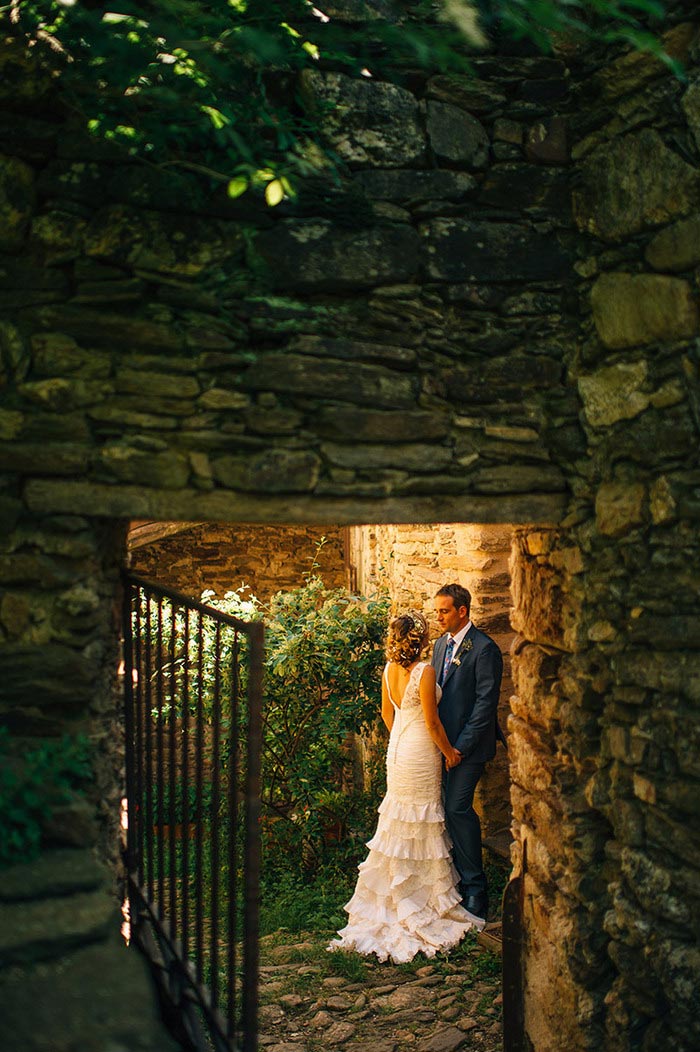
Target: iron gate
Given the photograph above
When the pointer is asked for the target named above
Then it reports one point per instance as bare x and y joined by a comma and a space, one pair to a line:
193, 686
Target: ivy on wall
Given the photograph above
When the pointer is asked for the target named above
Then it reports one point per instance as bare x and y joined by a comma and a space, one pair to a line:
211, 86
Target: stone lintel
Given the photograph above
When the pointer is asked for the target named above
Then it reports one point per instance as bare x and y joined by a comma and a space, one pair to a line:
45, 495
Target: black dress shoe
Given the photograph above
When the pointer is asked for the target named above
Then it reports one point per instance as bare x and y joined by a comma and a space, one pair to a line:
477, 905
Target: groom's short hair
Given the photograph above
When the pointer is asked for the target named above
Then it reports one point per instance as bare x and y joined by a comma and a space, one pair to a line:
460, 595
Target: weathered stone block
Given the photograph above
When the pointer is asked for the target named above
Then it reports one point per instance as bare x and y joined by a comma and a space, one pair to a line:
468, 92
60, 236
357, 383
219, 398
613, 393
274, 421
57, 355
135, 381
127, 290
464, 250
36, 931
546, 606
60, 395
79, 998
37, 676
406, 456
54, 874
517, 187
371, 122
662, 501
691, 107
316, 255
393, 355
634, 309
674, 631
619, 507
167, 470
677, 247
16, 202
74, 824
633, 69
407, 186
10, 423
669, 432
109, 329
457, 136
10, 509
473, 384
14, 356
44, 458
178, 245
272, 471
114, 416
547, 142
631, 184
374, 425
519, 478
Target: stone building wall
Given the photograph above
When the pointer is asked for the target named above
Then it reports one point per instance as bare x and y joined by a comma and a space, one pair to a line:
224, 557
412, 562
493, 318
604, 732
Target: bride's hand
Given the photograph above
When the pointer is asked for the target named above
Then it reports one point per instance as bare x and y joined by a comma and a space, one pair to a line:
453, 760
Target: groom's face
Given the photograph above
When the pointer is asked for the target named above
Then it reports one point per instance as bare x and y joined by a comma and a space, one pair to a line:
449, 617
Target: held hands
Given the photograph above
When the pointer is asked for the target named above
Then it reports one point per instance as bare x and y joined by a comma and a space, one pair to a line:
453, 759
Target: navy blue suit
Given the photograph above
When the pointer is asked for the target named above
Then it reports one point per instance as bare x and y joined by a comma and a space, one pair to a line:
468, 711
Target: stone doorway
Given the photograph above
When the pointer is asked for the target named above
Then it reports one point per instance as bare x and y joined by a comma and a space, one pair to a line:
409, 561
525, 581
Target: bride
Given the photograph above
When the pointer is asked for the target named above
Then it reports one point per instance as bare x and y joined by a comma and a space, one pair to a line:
406, 899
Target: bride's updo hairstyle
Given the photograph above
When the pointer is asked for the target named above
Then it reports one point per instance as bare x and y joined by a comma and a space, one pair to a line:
408, 635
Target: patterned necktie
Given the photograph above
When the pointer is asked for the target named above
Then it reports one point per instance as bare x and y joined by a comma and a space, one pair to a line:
448, 658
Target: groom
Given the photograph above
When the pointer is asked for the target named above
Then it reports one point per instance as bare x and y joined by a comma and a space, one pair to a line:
468, 665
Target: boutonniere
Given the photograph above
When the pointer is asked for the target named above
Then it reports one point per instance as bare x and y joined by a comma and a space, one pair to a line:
457, 661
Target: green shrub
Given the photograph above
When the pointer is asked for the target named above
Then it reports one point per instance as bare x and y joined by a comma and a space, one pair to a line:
32, 783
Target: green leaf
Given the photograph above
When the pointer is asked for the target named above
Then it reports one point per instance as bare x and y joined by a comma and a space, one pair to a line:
237, 186
274, 192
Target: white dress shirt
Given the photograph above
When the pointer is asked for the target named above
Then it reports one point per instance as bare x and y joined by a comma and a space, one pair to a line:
460, 636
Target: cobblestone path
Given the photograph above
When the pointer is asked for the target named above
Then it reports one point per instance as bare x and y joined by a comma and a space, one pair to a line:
313, 1001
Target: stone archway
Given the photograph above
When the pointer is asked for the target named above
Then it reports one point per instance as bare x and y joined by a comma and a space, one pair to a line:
473, 349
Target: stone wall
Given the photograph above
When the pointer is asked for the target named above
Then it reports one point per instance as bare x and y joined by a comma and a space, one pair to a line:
223, 558
604, 736
440, 337
412, 562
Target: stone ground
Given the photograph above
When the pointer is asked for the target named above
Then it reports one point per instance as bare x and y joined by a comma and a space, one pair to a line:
312, 1000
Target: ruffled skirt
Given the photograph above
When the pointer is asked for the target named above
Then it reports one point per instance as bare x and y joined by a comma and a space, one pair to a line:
406, 899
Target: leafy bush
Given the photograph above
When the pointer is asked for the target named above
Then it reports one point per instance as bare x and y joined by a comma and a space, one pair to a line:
323, 656
31, 785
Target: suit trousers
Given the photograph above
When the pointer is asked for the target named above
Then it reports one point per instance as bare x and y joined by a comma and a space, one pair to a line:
463, 825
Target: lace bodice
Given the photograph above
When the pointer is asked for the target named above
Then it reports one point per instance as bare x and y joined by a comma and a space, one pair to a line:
410, 705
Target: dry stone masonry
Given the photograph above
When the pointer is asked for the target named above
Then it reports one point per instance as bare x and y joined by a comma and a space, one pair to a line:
260, 560
491, 318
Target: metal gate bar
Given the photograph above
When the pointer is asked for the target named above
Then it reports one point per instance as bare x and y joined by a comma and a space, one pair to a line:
193, 690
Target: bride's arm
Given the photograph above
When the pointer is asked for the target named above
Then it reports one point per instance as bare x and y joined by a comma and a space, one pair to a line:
387, 707
428, 700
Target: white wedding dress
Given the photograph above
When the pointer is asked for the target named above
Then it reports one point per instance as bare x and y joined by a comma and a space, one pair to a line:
406, 900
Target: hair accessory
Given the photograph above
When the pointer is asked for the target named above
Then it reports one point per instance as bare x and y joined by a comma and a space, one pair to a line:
406, 638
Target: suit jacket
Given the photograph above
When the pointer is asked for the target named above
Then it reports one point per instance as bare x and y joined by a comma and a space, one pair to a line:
470, 695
